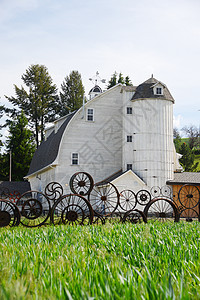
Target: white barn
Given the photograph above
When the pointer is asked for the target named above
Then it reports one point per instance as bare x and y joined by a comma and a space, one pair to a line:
124, 135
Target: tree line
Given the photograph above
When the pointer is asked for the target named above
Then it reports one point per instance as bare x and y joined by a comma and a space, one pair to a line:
36, 103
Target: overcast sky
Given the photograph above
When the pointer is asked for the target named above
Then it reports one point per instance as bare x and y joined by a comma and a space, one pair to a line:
137, 38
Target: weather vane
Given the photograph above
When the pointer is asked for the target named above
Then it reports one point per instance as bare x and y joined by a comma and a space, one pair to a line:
96, 79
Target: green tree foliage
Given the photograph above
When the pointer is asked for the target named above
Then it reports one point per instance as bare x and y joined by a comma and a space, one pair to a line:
192, 133
187, 160
120, 79
21, 143
177, 139
39, 100
72, 93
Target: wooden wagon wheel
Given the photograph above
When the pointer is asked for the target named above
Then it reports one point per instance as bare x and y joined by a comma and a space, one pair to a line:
81, 183
189, 196
34, 207
72, 209
155, 191
127, 200
143, 197
54, 191
161, 209
9, 214
134, 216
104, 199
189, 215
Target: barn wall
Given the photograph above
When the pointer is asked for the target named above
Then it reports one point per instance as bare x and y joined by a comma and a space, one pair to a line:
98, 143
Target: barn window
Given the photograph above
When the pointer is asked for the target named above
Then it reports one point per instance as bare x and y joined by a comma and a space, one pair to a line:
74, 158
90, 114
129, 167
159, 91
129, 110
129, 138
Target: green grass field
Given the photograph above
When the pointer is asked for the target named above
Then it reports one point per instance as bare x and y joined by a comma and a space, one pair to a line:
114, 261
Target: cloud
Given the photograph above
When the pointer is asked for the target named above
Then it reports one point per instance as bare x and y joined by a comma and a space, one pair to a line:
177, 121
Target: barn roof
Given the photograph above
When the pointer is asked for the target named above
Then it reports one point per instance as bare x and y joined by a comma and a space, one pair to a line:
14, 186
145, 90
185, 178
47, 152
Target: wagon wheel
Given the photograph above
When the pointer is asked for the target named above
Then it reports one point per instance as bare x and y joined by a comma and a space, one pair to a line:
34, 207
134, 216
9, 214
81, 183
143, 197
189, 196
98, 220
53, 191
155, 191
189, 215
127, 200
161, 210
72, 210
166, 191
104, 199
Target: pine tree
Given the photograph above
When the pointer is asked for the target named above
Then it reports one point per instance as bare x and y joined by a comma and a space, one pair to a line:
38, 100
187, 160
72, 93
22, 146
113, 80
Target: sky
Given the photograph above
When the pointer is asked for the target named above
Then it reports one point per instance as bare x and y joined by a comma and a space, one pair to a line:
137, 38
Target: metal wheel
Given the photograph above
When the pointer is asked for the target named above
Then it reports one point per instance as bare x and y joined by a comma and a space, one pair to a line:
143, 197
127, 200
104, 199
189, 196
53, 191
81, 183
34, 207
9, 214
155, 191
189, 215
134, 216
166, 191
72, 210
161, 209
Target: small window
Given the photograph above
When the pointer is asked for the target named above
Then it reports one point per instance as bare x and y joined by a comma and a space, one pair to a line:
129, 138
129, 166
129, 110
159, 91
90, 114
74, 158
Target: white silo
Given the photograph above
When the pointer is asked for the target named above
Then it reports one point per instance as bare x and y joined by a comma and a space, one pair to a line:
148, 133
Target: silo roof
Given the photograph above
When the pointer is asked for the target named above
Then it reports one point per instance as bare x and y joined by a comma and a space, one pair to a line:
145, 90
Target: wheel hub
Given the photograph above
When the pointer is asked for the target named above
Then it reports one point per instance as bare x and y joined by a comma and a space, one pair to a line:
72, 216
103, 198
81, 183
5, 218
162, 215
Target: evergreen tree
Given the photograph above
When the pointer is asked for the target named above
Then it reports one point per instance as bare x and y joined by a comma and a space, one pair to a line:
72, 93
39, 101
121, 78
113, 80
22, 146
187, 160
